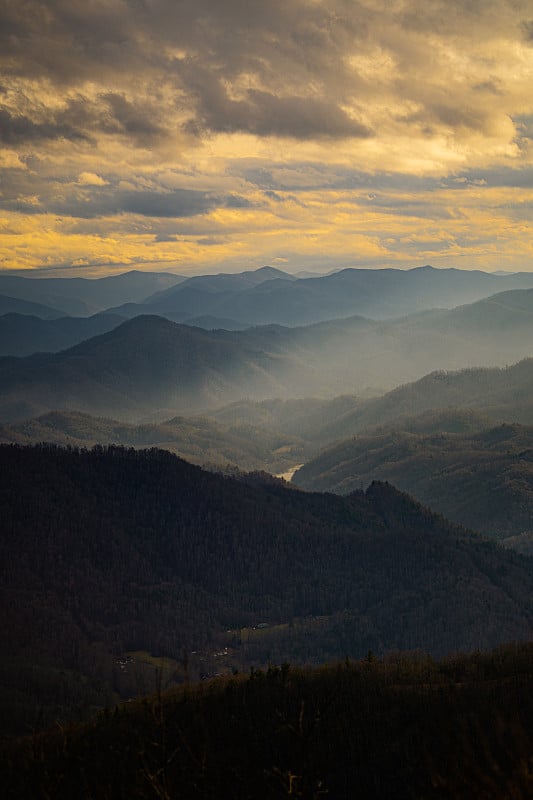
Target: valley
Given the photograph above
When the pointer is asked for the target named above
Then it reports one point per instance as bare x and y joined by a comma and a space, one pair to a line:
186, 505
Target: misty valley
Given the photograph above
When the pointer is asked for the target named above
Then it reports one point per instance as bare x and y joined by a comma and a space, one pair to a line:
267, 532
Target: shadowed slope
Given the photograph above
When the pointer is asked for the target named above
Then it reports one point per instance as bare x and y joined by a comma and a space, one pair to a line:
111, 551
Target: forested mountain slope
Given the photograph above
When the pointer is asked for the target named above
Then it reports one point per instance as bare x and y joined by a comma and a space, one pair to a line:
503, 394
112, 551
483, 480
197, 439
408, 728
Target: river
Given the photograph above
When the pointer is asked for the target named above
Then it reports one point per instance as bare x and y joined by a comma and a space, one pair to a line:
287, 476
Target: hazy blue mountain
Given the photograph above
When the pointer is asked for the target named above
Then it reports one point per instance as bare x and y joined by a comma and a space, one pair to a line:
503, 394
206, 321
13, 305
481, 479
497, 312
150, 365
86, 296
221, 283
378, 294
303, 417
380, 354
211, 323
21, 335
144, 365
201, 295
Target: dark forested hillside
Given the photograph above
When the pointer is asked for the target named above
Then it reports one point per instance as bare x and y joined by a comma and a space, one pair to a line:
408, 728
482, 479
113, 552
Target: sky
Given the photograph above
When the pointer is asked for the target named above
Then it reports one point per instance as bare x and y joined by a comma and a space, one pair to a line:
196, 136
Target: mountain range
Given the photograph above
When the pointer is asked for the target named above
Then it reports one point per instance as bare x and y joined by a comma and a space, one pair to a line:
263, 296
123, 566
504, 394
149, 365
270, 296
86, 296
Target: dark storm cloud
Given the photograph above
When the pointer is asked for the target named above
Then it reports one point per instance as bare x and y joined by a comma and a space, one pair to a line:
455, 117
81, 119
100, 201
134, 120
18, 128
273, 196
265, 67
180, 203
65, 40
310, 176
266, 114
292, 52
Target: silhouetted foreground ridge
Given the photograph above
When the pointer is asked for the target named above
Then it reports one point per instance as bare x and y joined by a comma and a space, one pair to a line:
408, 729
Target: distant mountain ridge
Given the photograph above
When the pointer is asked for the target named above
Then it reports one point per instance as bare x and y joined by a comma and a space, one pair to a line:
13, 305
149, 365
282, 299
86, 296
145, 364
492, 331
22, 335
222, 282
202, 295
266, 295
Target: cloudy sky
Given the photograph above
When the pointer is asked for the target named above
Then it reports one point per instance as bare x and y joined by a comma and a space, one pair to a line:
222, 135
